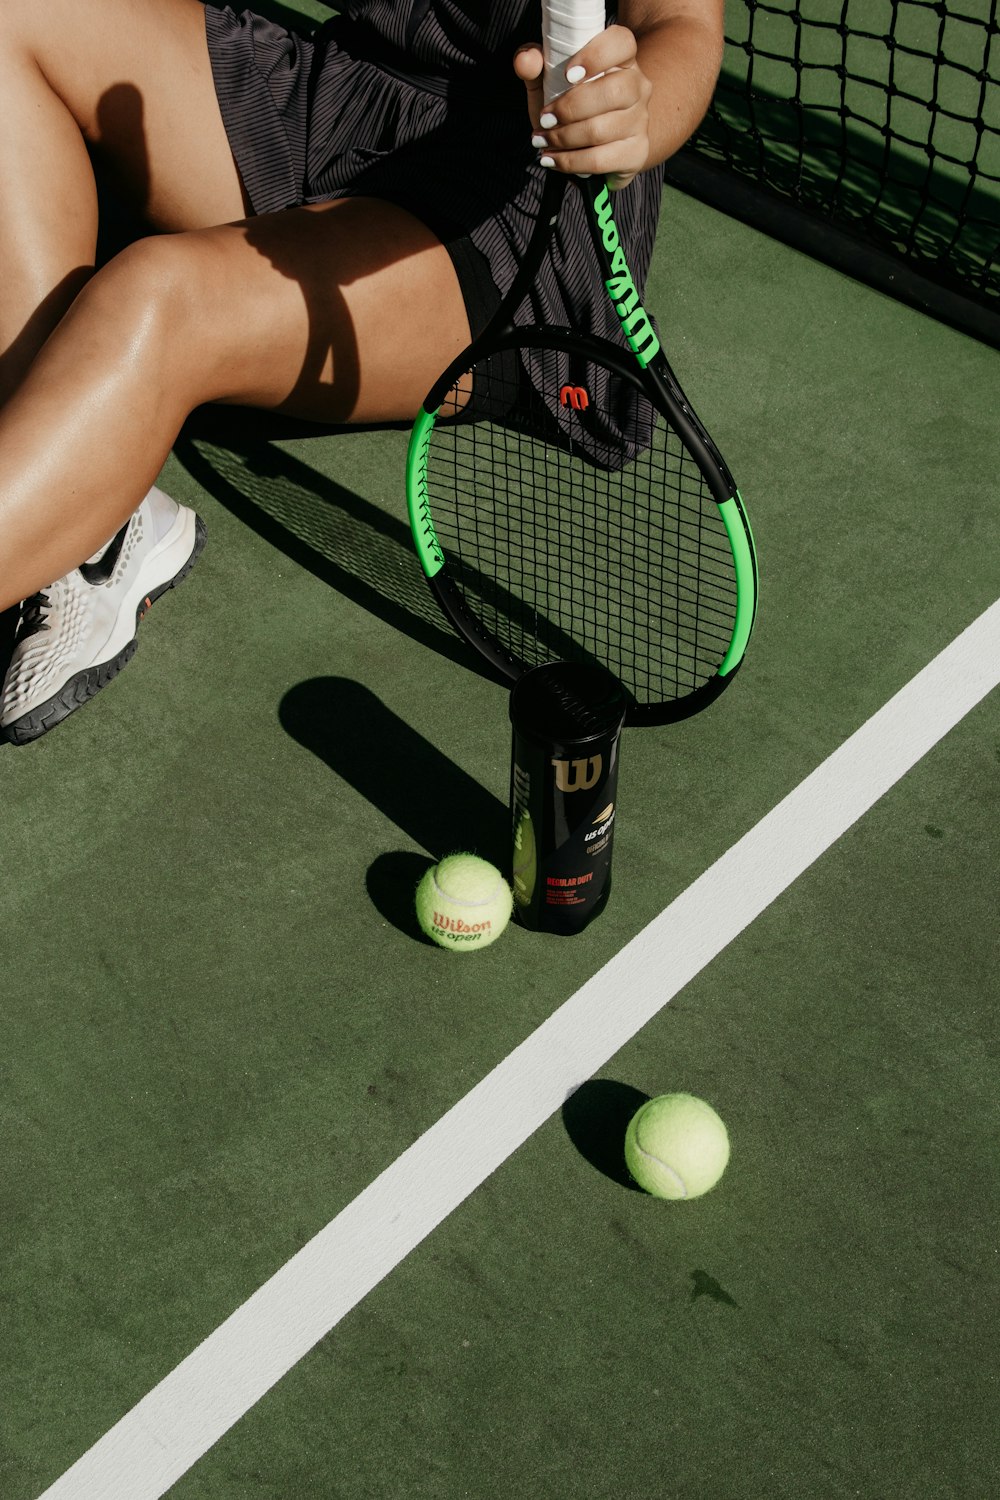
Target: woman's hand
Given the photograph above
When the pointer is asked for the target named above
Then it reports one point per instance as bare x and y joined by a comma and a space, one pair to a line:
601, 123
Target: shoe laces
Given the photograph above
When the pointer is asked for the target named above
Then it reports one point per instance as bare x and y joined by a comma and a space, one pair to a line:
34, 617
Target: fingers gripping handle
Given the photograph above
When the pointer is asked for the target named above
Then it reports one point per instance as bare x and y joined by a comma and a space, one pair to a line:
567, 25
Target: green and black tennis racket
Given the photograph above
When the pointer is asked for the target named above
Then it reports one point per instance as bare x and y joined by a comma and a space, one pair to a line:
566, 503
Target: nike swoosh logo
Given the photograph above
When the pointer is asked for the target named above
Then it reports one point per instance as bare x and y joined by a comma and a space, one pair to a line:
100, 571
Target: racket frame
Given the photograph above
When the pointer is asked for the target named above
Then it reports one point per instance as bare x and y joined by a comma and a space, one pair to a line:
645, 366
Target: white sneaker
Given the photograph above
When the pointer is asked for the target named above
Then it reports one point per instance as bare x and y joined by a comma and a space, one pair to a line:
76, 635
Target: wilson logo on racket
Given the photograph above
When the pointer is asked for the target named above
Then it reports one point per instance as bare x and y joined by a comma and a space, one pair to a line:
574, 396
637, 328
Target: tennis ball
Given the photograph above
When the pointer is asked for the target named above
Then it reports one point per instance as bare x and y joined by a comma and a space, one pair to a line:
525, 869
463, 903
676, 1146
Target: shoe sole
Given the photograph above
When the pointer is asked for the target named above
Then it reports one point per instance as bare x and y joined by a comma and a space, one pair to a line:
85, 685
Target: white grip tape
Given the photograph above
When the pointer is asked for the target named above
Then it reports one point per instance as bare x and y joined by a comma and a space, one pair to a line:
566, 27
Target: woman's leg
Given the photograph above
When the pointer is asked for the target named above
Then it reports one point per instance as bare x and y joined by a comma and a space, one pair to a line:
336, 313
343, 312
132, 80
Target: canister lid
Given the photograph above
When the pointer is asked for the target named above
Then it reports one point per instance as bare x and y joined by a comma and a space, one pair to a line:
567, 703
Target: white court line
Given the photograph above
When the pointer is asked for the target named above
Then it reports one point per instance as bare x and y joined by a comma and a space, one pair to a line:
179, 1420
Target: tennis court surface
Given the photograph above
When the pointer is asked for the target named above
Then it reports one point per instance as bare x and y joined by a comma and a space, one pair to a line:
223, 1033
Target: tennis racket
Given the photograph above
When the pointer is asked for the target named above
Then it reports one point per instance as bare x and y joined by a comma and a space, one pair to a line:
566, 503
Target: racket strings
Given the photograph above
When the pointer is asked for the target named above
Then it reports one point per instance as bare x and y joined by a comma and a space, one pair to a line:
558, 557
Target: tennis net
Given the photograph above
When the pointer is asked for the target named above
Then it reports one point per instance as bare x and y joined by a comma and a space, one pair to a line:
866, 132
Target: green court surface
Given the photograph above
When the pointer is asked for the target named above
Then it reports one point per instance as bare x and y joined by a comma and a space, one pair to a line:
221, 1024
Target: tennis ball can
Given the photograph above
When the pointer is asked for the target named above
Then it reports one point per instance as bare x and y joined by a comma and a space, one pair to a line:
566, 719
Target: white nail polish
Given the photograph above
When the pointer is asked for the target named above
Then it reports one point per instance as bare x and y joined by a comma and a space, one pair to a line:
539, 142
547, 121
573, 75
546, 161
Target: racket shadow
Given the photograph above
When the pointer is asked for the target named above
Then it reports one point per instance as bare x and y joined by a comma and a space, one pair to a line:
341, 538
429, 799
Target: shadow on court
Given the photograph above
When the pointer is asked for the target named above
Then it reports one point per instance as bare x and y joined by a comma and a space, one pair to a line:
596, 1117
430, 799
8, 627
318, 523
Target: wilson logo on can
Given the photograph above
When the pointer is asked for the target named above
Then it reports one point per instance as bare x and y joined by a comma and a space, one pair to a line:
578, 775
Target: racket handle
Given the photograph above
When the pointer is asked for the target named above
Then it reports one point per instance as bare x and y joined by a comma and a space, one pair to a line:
567, 25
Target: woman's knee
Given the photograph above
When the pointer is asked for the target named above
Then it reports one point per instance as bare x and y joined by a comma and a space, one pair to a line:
190, 307
151, 303
143, 286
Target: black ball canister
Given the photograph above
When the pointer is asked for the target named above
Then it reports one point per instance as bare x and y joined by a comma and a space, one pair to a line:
566, 719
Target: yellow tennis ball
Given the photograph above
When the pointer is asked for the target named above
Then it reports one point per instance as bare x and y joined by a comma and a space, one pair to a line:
463, 903
525, 862
676, 1146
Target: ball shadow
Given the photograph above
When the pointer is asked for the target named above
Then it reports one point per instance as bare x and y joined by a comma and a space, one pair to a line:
596, 1117
391, 882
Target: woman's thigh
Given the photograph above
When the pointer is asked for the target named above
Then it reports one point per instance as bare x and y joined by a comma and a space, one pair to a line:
136, 76
340, 312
